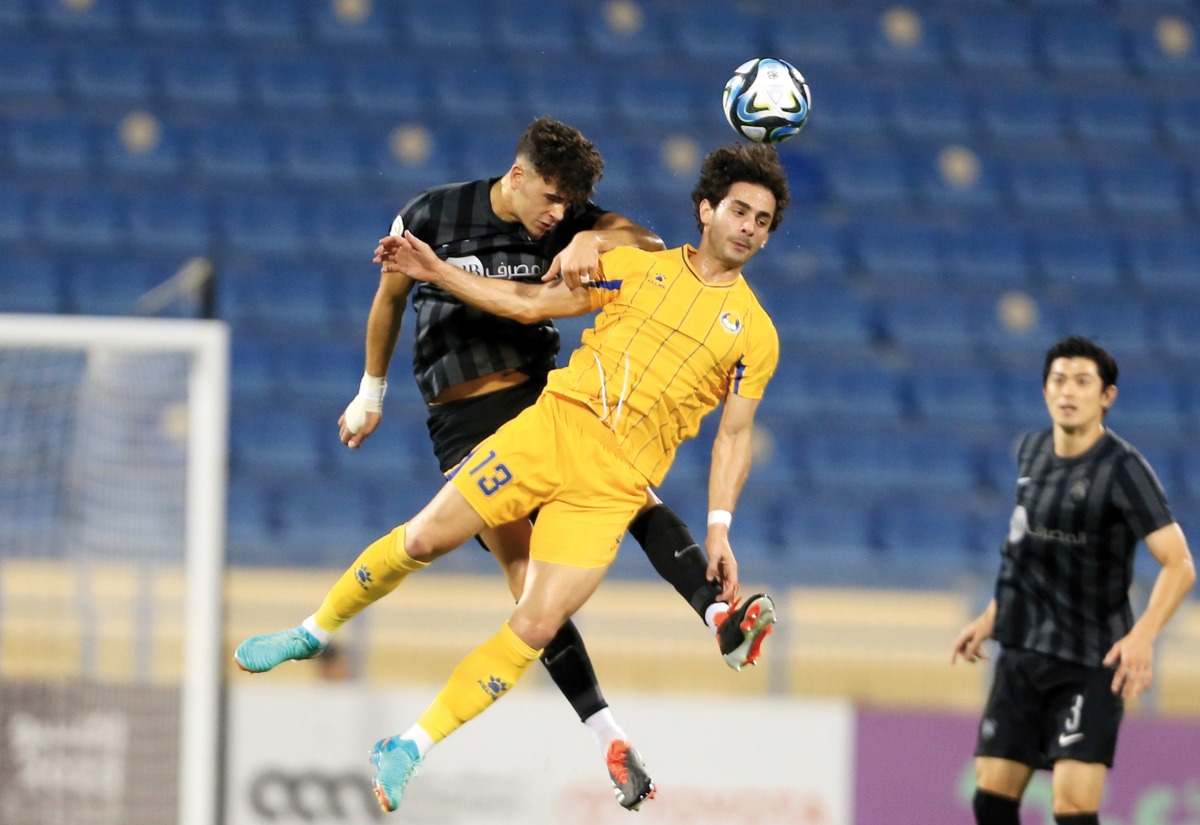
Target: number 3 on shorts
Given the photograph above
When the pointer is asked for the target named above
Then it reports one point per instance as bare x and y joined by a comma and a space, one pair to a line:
488, 475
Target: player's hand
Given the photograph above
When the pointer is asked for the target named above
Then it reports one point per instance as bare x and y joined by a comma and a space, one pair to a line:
1133, 658
578, 263
408, 255
722, 566
353, 436
969, 642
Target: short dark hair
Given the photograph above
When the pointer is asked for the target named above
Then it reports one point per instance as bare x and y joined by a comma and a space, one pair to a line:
741, 163
563, 156
1076, 346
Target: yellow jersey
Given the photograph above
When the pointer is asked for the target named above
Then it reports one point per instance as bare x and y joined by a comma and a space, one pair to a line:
665, 350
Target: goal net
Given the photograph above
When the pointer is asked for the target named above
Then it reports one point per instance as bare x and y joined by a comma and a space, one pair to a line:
112, 513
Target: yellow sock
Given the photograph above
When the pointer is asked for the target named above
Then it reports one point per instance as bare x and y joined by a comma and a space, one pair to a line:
374, 574
479, 680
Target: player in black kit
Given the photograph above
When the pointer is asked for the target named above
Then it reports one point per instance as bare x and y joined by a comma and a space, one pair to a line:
476, 371
1071, 652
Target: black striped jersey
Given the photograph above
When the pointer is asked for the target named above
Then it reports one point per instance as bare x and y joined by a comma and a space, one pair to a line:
1067, 563
454, 342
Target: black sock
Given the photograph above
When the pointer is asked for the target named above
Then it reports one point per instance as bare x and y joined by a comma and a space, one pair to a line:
1077, 819
993, 809
675, 555
571, 669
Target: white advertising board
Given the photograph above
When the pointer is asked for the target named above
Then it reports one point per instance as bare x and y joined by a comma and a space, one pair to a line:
298, 754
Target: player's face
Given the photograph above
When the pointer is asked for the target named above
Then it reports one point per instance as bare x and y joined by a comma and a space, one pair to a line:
1075, 395
739, 225
537, 203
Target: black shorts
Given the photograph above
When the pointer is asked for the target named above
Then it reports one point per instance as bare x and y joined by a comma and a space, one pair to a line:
457, 426
1042, 709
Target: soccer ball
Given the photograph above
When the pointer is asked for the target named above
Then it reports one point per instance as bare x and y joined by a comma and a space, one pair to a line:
767, 100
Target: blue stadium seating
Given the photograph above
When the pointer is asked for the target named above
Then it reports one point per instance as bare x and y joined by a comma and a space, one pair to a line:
256, 21
1166, 263
986, 258
1153, 61
30, 284
1150, 190
993, 44
14, 215
898, 256
108, 75
201, 79
264, 225
387, 87
705, 35
353, 25
264, 298
232, 153
955, 395
1077, 46
1119, 326
862, 180
274, 442
102, 17
297, 85
321, 374
110, 287
825, 37
180, 223
1075, 262
831, 393
170, 20
1031, 117
1094, 125
1047, 188
550, 28
327, 157
933, 111
30, 72
137, 154
59, 146
846, 108
76, 219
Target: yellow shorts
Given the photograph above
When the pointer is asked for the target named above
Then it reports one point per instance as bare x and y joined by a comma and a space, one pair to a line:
555, 457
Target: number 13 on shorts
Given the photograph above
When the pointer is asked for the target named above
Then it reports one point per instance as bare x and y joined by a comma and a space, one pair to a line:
489, 474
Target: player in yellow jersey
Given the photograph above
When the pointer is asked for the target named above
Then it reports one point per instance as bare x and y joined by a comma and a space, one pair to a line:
679, 332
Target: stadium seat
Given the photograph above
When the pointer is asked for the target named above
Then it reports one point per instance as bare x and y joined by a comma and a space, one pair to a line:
326, 158
257, 21
1166, 262
707, 35
550, 27
201, 79
110, 287
863, 180
897, 256
166, 20
1042, 187
822, 316
1076, 263
140, 146
816, 249
935, 540
438, 27
299, 84
30, 72
1150, 401
264, 224
14, 215
101, 17
1120, 326
987, 257
408, 160
989, 44
900, 39
252, 372
320, 375
324, 524
1146, 189
350, 230
367, 26
960, 394
30, 283
1083, 46
89, 218
277, 297
1097, 130
1009, 334
893, 462
1164, 49
1028, 117
386, 88
108, 76
956, 180
581, 99
846, 108
622, 31
921, 327
180, 222
1179, 329
1181, 124
253, 523
55, 145
641, 98
273, 441
469, 90
1021, 389
833, 393
826, 37
829, 539
932, 111
233, 153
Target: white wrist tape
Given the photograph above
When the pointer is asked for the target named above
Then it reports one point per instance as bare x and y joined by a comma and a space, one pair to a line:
720, 517
371, 391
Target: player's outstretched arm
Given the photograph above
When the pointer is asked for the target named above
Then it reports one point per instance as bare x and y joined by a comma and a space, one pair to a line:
969, 642
579, 261
1133, 654
522, 302
731, 457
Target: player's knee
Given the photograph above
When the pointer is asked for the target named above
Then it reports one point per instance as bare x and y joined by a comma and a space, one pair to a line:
419, 544
535, 630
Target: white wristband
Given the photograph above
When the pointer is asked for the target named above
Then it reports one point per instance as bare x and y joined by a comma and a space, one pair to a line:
720, 517
372, 389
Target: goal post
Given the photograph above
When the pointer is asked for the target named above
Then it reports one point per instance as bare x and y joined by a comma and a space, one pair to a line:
111, 507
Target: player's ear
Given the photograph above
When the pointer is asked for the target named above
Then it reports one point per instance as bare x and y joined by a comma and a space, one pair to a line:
1108, 396
706, 210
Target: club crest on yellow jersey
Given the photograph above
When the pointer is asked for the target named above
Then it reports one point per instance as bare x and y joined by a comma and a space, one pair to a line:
731, 322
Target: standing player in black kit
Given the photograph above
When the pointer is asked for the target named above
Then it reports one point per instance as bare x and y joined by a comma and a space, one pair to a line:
476, 371
1071, 652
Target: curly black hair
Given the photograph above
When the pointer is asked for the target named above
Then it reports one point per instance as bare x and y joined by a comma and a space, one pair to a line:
741, 163
563, 156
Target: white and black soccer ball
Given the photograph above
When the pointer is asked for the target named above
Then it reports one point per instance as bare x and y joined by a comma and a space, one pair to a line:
767, 100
